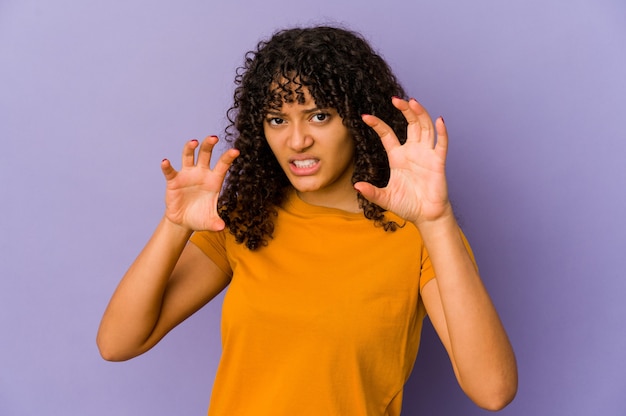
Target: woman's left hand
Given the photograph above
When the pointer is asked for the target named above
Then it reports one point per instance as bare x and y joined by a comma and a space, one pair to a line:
417, 189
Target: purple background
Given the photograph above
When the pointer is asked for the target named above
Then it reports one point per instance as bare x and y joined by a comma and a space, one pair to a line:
93, 94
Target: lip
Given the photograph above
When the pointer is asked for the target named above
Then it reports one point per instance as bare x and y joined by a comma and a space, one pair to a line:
304, 171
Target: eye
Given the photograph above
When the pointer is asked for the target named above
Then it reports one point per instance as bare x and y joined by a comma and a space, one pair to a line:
274, 121
320, 117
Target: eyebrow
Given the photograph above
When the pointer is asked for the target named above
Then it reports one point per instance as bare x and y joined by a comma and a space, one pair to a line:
305, 111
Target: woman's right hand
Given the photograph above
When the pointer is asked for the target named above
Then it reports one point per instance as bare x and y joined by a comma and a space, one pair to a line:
191, 194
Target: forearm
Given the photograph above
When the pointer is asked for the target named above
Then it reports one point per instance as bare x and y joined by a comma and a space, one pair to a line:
135, 306
477, 342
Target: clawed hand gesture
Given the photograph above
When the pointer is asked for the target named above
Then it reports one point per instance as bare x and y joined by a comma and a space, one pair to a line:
417, 189
191, 193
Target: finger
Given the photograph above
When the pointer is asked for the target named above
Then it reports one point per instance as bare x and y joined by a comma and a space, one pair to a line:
189, 153
387, 136
413, 129
372, 193
225, 160
441, 148
206, 150
168, 171
426, 127
420, 126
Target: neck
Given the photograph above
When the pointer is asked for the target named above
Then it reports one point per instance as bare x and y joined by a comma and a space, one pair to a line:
345, 201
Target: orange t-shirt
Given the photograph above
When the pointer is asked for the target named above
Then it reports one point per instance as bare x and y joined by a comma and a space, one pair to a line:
324, 320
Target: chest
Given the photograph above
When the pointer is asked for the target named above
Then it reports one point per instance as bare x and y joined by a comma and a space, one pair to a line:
330, 280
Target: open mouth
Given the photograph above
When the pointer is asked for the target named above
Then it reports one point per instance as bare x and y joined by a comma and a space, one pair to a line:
304, 167
303, 164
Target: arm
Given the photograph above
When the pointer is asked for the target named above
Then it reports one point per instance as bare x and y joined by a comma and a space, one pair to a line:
456, 301
170, 279
466, 321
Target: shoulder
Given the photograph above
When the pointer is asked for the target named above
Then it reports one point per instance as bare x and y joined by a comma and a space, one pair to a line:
213, 245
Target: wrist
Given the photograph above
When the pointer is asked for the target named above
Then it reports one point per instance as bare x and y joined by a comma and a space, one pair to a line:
444, 222
175, 229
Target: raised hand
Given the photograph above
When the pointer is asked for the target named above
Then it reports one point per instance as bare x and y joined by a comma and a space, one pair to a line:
417, 189
191, 193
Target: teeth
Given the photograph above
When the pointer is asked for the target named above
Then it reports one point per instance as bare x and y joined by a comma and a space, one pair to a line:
304, 163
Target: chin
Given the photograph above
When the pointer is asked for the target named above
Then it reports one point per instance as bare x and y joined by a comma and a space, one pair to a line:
305, 187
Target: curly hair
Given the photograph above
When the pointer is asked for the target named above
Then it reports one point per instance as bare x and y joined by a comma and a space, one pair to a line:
340, 70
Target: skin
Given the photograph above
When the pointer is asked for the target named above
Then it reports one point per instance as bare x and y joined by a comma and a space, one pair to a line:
170, 279
316, 151
457, 302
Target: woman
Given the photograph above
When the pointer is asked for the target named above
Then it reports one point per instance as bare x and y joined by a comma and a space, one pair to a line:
330, 223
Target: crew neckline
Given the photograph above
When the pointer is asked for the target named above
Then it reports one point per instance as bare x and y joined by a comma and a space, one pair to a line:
298, 205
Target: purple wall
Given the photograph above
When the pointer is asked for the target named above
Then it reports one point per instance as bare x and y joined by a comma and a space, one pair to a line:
94, 94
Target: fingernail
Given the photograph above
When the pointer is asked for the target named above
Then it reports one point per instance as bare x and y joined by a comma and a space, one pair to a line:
194, 140
441, 117
396, 97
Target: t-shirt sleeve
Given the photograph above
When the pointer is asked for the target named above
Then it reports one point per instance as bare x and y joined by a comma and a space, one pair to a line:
213, 244
428, 273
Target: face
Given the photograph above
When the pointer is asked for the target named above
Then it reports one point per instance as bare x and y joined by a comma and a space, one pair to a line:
316, 152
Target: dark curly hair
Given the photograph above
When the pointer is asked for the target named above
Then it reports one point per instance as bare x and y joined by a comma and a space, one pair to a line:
340, 71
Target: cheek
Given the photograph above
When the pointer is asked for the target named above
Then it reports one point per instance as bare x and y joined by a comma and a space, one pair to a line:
347, 147
266, 136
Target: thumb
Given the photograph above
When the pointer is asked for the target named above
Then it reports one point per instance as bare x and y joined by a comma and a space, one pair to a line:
217, 224
370, 192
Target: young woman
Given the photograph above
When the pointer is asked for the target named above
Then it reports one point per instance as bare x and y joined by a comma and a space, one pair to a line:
330, 224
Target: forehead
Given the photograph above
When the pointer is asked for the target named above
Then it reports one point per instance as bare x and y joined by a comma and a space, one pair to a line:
292, 88
288, 92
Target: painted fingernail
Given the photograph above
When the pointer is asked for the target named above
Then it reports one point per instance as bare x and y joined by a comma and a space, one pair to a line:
441, 117
396, 97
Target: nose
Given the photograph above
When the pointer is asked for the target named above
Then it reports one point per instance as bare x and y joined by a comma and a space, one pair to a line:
300, 138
